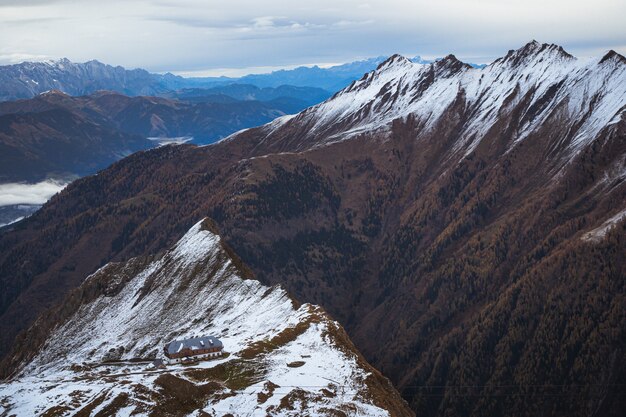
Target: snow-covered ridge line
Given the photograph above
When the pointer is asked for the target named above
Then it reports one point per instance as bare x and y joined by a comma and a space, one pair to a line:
286, 354
544, 78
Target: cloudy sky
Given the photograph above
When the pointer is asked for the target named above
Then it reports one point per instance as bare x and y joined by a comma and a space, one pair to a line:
239, 36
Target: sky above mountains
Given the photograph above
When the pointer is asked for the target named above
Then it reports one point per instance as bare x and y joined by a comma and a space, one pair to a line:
207, 37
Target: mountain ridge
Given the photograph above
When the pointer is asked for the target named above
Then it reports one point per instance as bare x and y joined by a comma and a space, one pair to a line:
469, 253
413, 87
298, 351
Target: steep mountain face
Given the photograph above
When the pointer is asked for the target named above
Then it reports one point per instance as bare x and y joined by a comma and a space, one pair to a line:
471, 219
281, 360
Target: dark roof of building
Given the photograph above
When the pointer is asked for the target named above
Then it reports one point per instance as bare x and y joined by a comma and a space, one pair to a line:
196, 343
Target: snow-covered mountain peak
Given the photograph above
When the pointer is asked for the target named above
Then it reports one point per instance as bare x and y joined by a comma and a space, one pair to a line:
394, 61
450, 65
282, 359
533, 53
57, 62
613, 56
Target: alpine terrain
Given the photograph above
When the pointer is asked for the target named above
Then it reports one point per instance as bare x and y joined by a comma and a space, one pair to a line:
466, 227
91, 355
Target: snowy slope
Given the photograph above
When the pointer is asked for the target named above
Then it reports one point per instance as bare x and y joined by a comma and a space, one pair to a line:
544, 79
282, 359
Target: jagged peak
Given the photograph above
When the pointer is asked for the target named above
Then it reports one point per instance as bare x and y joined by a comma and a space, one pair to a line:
394, 60
533, 45
61, 61
451, 63
399, 88
534, 49
449, 58
613, 56
94, 62
393, 63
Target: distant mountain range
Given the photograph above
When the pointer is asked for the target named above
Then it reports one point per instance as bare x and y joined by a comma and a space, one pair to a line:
332, 78
287, 98
28, 79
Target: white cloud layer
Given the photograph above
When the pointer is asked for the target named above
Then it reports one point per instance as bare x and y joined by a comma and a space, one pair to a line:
199, 35
18, 193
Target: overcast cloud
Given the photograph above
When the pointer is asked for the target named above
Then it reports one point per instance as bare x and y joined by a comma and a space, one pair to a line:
219, 36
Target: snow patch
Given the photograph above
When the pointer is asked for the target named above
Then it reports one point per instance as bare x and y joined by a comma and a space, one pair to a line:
597, 234
178, 140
